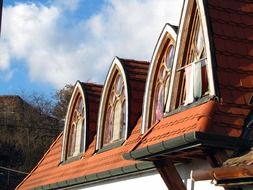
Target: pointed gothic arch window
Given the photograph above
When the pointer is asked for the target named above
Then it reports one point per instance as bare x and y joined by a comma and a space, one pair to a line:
113, 112
159, 76
161, 85
75, 125
191, 81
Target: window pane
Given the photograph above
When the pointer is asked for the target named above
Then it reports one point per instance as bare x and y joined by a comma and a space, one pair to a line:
123, 119
162, 73
117, 121
78, 137
158, 104
199, 41
170, 56
118, 85
71, 140
108, 126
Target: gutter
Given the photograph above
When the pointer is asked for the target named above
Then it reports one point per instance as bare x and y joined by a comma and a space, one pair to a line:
183, 142
109, 174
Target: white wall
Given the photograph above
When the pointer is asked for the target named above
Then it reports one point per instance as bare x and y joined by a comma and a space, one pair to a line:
147, 181
151, 180
184, 171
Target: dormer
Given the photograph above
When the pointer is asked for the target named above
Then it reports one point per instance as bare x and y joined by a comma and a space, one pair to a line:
121, 102
192, 75
159, 75
208, 99
81, 119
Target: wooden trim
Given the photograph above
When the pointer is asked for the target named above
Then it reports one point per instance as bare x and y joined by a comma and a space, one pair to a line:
169, 174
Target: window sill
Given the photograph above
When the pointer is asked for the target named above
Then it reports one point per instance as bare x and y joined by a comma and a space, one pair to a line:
72, 159
111, 146
193, 104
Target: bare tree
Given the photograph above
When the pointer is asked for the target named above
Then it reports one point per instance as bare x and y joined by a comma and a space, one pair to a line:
62, 98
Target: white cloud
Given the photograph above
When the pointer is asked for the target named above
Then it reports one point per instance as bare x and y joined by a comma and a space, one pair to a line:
4, 56
59, 52
71, 5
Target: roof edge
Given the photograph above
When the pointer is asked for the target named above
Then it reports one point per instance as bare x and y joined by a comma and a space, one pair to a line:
185, 141
122, 171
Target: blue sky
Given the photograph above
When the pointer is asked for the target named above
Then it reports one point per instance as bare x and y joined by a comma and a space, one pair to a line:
49, 43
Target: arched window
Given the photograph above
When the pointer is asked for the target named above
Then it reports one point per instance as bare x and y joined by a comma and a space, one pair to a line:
161, 85
159, 77
115, 119
75, 138
192, 72
113, 112
75, 126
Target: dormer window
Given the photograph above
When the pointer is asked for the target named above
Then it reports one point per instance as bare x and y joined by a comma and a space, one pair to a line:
192, 70
75, 139
159, 77
161, 87
193, 75
115, 119
113, 111
75, 126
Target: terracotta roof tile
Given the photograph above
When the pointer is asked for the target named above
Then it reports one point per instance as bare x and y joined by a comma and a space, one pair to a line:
194, 119
136, 73
232, 31
50, 170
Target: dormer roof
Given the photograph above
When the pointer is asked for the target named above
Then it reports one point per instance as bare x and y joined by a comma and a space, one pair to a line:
95, 166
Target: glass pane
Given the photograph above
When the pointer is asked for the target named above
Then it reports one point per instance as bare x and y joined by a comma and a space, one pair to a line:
158, 104
170, 56
108, 126
117, 121
71, 140
123, 119
78, 137
162, 73
80, 105
118, 85
199, 41
112, 97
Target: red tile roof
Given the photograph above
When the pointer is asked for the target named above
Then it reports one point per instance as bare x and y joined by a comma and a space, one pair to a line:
50, 170
92, 97
232, 32
136, 73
